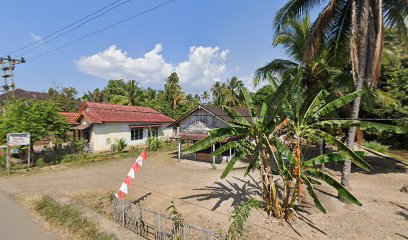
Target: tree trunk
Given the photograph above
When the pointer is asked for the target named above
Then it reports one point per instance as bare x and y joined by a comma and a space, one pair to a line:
366, 49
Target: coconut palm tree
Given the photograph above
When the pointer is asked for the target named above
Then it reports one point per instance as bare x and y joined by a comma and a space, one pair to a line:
357, 25
228, 93
205, 96
293, 37
94, 96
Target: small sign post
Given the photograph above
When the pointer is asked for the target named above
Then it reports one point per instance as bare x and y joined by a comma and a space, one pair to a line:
18, 139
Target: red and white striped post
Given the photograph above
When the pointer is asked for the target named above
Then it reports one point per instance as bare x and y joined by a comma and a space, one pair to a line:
128, 181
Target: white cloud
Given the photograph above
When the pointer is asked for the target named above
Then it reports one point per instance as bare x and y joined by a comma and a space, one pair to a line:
35, 37
203, 66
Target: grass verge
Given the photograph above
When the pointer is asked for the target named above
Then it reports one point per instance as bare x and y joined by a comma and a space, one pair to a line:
69, 219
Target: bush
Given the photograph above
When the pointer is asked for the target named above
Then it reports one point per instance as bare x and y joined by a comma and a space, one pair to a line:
2, 161
79, 145
376, 146
154, 143
119, 145
39, 162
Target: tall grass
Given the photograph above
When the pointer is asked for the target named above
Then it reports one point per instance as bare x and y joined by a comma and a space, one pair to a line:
69, 220
376, 146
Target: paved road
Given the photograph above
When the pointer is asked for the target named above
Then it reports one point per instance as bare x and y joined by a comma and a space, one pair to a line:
16, 224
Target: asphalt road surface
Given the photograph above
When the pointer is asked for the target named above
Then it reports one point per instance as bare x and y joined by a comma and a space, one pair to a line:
16, 224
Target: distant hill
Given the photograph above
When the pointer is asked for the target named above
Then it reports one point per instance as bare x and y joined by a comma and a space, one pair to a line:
27, 95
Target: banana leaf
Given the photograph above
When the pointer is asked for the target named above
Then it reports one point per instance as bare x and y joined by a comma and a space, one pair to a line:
312, 193
249, 102
234, 144
340, 189
215, 136
231, 164
330, 157
285, 151
354, 157
316, 103
338, 103
236, 117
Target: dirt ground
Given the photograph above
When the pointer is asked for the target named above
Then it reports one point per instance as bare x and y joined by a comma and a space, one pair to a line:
207, 201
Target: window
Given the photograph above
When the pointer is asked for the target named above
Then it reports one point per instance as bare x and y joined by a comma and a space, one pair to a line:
136, 134
153, 132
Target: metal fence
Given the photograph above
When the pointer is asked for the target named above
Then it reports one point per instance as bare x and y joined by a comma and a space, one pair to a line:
155, 225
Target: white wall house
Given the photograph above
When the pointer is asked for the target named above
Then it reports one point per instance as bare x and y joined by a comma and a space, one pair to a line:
101, 124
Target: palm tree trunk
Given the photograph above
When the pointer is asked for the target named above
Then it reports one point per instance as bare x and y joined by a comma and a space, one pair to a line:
366, 50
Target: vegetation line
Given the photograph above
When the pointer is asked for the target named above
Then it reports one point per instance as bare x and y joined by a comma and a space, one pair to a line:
69, 219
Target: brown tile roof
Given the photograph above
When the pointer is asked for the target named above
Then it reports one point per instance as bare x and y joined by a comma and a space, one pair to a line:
105, 112
70, 117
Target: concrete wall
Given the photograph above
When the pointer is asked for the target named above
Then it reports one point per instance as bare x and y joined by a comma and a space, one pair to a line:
103, 135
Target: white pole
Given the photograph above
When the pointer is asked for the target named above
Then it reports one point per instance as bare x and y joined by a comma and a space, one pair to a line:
8, 160
179, 150
29, 155
213, 157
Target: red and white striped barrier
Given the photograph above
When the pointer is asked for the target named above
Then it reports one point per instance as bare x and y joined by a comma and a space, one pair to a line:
131, 175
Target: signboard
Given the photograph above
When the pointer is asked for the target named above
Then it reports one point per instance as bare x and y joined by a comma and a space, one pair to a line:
18, 139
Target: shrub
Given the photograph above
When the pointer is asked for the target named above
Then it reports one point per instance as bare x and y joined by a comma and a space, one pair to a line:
119, 145
239, 217
2, 161
376, 146
154, 143
79, 145
39, 162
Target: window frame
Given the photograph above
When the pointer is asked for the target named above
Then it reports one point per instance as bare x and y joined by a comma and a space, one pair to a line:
136, 134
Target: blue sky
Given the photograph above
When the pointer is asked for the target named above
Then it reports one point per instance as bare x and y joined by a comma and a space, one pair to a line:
202, 40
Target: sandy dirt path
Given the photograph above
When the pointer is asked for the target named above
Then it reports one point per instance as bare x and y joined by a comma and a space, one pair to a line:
206, 200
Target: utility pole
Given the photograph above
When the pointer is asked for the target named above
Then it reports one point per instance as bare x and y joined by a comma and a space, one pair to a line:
8, 66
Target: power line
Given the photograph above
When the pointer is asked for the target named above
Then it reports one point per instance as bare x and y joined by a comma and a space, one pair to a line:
65, 27
76, 27
105, 28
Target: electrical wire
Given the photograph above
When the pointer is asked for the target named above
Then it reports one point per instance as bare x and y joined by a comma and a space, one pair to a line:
66, 27
74, 28
104, 29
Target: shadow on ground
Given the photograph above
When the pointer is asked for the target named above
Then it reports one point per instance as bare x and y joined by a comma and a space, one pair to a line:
238, 190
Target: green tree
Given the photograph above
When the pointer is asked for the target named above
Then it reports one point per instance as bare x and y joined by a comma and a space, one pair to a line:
354, 25
65, 98
317, 72
228, 93
173, 92
205, 96
39, 118
114, 89
95, 96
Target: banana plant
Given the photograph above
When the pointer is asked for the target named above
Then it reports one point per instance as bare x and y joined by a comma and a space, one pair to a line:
251, 140
274, 137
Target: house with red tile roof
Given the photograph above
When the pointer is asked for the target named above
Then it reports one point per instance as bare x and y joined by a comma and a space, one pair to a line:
102, 123
70, 117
